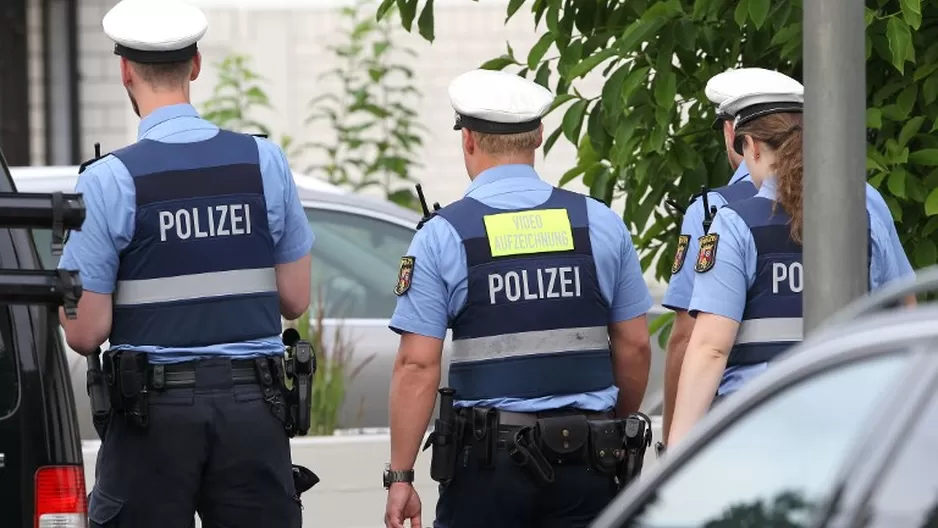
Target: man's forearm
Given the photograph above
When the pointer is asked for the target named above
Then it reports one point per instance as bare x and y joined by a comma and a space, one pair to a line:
631, 376
677, 346
413, 393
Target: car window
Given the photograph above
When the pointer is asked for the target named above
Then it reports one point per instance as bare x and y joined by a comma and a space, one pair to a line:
9, 375
43, 239
908, 493
355, 264
771, 465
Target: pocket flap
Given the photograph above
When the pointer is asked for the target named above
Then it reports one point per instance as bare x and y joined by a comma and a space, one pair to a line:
102, 508
564, 435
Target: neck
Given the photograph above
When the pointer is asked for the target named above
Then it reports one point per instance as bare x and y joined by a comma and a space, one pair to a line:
488, 162
155, 100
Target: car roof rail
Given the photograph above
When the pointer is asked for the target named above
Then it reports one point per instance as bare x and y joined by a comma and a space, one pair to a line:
926, 280
59, 212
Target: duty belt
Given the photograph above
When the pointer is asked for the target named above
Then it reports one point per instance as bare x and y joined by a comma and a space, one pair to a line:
183, 375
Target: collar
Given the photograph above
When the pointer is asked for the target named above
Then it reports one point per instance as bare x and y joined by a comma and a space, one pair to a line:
742, 172
767, 189
500, 173
162, 115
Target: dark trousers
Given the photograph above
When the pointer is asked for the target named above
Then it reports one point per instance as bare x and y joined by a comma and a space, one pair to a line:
505, 497
215, 449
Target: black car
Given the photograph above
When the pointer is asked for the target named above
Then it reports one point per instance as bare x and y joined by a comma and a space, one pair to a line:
843, 432
42, 481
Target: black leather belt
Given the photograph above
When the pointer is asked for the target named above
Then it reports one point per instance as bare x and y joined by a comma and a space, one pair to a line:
182, 375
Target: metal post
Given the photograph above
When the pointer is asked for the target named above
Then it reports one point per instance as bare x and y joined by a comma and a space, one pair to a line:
835, 233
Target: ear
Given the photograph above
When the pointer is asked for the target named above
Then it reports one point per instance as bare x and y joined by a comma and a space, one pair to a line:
196, 66
540, 136
753, 146
126, 73
468, 142
729, 135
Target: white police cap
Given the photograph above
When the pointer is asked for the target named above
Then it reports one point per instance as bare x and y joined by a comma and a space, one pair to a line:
495, 102
734, 89
155, 31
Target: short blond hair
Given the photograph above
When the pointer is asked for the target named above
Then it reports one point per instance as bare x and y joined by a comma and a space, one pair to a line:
507, 144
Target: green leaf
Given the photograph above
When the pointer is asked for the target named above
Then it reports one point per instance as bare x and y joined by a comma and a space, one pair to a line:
552, 139
539, 49
931, 203
560, 100
573, 120
758, 10
665, 89
633, 81
571, 175
543, 75
383, 9
742, 11
925, 253
425, 22
930, 89
909, 130
660, 322
513, 7
896, 183
900, 42
912, 12
868, 16
408, 9
930, 226
906, 99
927, 157
586, 65
498, 63
874, 118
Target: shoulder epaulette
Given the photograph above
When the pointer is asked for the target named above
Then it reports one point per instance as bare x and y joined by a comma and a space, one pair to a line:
265, 136
86, 164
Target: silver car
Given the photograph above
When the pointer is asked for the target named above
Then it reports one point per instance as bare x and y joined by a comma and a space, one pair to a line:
359, 243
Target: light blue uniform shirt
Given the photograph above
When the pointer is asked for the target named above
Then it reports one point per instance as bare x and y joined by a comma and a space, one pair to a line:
722, 290
439, 281
681, 285
110, 204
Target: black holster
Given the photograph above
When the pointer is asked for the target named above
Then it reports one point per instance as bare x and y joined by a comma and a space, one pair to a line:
126, 375
97, 389
524, 451
446, 439
637, 438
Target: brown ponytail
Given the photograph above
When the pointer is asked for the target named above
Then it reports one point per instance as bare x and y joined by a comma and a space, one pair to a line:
783, 133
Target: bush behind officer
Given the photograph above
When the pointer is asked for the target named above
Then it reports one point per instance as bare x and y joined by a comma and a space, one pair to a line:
194, 245
537, 284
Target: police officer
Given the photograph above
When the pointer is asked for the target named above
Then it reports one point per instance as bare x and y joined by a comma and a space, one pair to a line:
747, 293
537, 285
726, 90
721, 87
194, 245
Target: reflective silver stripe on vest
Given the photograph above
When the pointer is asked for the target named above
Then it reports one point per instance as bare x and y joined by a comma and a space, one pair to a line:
770, 330
196, 286
528, 343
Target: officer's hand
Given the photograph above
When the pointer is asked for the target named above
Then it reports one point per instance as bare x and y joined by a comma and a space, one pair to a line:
403, 503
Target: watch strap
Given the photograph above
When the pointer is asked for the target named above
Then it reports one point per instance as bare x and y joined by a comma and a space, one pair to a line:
397, 475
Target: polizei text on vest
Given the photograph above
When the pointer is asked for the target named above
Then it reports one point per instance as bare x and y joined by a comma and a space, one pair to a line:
542, 283
206, 222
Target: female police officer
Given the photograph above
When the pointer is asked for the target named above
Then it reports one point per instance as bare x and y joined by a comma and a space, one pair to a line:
747, 294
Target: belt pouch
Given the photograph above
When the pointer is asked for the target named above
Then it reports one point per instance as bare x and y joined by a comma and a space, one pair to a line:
564, 439
606, 445
485, 436
132, 386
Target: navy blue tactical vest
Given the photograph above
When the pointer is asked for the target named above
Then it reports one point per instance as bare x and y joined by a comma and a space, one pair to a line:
533, 325
772, 319
199, 269
735, 192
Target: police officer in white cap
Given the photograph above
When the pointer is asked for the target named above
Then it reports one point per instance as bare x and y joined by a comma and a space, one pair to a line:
733, 91
194, 246
544, 295
747, 296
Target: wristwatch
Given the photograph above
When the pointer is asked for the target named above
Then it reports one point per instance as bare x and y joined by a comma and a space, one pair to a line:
390, 477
